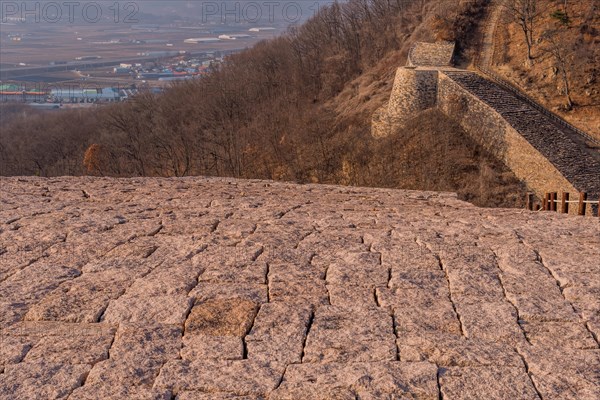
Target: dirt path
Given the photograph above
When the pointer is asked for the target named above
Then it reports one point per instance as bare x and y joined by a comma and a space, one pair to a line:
486, 53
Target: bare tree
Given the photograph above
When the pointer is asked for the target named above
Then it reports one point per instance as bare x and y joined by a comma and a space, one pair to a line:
526, 13
564, 58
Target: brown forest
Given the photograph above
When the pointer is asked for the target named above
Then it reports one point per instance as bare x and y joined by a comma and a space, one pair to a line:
294, 108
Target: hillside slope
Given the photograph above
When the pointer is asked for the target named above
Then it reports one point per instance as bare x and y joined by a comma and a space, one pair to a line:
565, 58
295, 108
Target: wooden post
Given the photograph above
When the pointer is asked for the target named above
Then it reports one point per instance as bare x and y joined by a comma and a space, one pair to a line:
564, 205
553, 196
582, 199
546, 202
529, 201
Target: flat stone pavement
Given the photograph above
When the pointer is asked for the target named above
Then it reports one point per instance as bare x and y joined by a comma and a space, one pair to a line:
222, 289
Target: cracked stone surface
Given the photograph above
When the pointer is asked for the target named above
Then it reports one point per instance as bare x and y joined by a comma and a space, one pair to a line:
352, 334
498, 382
223, 289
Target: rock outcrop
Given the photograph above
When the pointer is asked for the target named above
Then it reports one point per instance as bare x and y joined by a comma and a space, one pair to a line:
205, 288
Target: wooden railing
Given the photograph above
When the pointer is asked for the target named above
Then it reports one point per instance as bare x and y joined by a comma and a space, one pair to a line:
552, 202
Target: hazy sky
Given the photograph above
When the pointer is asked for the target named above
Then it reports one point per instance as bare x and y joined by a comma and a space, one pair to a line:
253, 11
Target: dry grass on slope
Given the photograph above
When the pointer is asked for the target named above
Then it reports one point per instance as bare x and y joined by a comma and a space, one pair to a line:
434, 153
579, 39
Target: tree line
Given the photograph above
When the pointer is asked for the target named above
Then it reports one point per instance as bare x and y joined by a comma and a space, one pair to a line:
267, 112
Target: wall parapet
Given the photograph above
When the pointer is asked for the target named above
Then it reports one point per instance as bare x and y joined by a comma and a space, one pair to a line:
438, 54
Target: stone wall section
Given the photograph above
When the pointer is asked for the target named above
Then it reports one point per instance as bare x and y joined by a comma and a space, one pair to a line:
497, 136
549, 158
414, 90
431, 54
474, 116
380, 122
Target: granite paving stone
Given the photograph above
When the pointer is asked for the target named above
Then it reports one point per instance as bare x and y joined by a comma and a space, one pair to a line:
240, 377
225, 289
359, 380
352, 334
499, 382
561, 373
279, 333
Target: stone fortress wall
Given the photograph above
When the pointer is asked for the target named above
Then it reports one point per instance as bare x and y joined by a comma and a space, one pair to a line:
548, 158
221, 289
415, 86
431, 54
484, 124
414, 90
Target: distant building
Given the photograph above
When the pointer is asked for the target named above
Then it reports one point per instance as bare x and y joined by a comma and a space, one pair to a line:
155, 75
201, 40
21, 94
261, 29
233, 37
87, 58
71, 95
121, 71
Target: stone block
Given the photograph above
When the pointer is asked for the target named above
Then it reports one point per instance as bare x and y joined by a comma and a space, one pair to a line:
498, 382
232, 317
561, 373
358, 380
143, 308
350, 335
278, 333
142, 341
73, 349
490, 321
559, 334
239, 377
202, 347
447, 350
350, 295
419, 310
124, 372
41, 380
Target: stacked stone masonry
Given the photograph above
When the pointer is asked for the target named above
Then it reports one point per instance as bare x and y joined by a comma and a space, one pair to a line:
414, 90
424, 54
216, 289
548, 157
